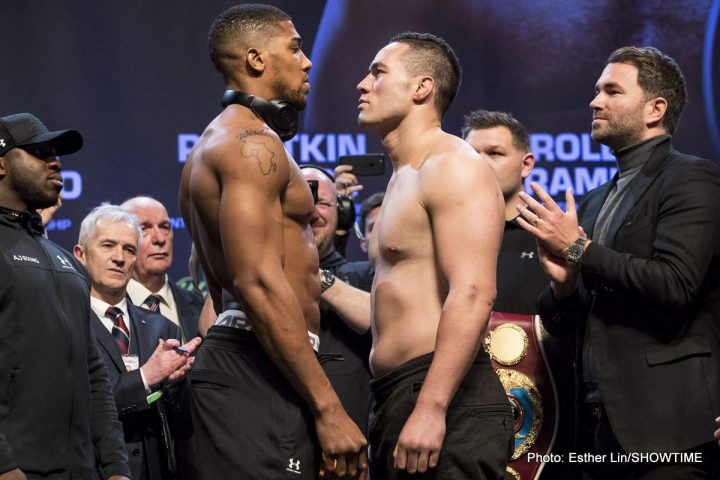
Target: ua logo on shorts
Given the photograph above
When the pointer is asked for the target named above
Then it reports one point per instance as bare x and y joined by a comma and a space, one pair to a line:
294, 466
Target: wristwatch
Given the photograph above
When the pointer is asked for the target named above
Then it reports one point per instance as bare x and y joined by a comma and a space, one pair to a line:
575, 250
327, 280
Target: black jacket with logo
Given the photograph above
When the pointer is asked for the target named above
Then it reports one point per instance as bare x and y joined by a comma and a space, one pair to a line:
57, 413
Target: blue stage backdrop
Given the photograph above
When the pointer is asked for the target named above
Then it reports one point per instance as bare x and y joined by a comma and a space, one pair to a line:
135, 78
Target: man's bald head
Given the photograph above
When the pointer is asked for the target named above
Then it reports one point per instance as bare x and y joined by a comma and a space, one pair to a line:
136, 203
155, 250
325, 216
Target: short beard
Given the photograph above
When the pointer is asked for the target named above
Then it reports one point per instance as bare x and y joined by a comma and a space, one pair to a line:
622, 132
296, 98
616, 138
36, 199
28, 191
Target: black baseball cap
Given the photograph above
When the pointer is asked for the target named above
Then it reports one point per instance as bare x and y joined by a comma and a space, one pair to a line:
24, 129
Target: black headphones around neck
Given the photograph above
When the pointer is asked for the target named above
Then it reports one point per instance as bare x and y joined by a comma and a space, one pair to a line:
279, 115
345, 204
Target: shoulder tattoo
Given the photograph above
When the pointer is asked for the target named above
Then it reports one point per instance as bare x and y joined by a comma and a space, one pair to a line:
258, 149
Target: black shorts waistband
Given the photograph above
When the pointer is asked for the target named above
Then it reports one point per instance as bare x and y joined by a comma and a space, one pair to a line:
410, 369
238, 340
234, 339
416, 369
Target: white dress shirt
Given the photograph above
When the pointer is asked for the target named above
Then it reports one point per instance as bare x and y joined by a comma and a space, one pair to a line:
138, 293
100, 307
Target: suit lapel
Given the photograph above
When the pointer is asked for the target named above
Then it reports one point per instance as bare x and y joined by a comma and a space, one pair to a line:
590, 208
139, 344
107, 342
637, 188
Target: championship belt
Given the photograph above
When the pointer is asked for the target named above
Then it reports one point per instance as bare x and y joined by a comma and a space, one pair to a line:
514, 344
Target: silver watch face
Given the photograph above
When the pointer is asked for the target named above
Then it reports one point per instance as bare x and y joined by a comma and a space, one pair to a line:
574, 253
326, 280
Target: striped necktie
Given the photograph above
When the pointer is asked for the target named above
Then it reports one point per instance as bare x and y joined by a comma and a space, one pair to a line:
152, 302
120, 331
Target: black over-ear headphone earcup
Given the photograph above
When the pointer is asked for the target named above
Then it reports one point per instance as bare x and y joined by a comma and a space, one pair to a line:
235, 97
279, 115
345, 212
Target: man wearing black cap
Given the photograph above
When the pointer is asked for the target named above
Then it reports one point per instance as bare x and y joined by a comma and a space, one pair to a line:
57, 414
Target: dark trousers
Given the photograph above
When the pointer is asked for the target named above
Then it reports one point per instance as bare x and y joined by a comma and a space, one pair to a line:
249, 422
598, 438
479, 423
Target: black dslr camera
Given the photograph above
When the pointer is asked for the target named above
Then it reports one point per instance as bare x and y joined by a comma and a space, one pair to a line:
314, 189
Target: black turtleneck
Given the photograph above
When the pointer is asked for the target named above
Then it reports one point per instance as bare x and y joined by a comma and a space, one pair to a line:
630, 161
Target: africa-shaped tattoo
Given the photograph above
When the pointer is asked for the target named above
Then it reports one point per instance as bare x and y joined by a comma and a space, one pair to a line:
258, 150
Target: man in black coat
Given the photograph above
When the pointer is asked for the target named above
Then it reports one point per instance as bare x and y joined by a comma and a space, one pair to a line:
638, 271
151, 288
57, 415
139, 348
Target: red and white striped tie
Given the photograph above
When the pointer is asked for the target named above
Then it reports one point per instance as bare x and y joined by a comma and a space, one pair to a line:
120, 331
152, 302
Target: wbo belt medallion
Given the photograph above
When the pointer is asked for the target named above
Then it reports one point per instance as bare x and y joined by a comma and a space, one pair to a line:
517, 354
507, 344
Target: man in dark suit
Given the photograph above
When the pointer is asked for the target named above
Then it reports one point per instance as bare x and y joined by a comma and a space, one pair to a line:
150, 286
640, 274
139, 348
